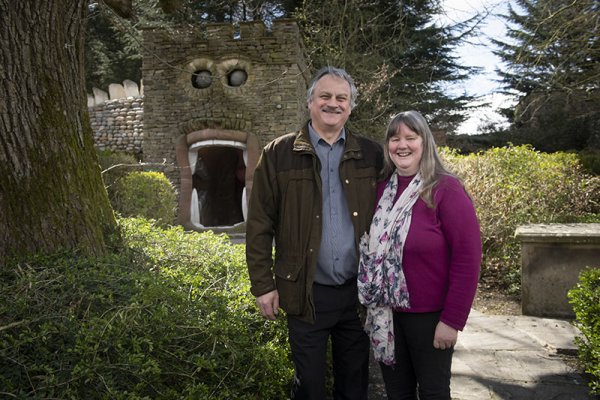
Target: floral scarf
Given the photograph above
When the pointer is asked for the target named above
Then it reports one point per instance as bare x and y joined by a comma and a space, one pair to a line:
381, 282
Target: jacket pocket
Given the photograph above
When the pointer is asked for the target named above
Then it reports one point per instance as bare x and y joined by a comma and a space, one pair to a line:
290, 279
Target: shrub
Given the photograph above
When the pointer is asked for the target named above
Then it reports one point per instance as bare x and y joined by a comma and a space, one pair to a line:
168, 317
517, 185
114, 166
585, 298
145, 194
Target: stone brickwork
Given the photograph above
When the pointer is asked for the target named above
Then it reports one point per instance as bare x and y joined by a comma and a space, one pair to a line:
118, 125
185, 120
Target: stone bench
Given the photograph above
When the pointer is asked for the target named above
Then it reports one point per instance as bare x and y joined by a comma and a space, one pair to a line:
552, 256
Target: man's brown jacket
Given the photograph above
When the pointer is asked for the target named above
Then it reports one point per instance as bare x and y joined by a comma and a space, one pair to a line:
285, 206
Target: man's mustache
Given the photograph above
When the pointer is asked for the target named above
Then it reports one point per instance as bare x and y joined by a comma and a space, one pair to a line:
332, 109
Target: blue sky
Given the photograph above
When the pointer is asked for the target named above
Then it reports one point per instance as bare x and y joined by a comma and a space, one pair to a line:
479, 54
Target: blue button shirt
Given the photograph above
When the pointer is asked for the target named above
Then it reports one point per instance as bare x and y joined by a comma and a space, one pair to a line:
337, 259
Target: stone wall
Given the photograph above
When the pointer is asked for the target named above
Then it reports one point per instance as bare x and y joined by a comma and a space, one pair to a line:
270, 103
117, 117
118, 125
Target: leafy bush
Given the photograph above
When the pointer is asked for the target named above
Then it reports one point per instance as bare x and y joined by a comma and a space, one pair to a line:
517, 185
585, 298
114, 166
170, 316
147, 195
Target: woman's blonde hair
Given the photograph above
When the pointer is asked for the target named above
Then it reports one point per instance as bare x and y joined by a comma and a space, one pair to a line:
431, 165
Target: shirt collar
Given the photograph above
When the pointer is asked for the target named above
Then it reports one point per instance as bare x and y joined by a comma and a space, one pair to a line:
315, 139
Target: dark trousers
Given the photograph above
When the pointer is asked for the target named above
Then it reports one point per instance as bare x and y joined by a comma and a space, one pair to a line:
336, 318
419, 366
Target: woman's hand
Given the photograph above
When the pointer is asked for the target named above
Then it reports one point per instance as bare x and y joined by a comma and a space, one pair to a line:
445, 336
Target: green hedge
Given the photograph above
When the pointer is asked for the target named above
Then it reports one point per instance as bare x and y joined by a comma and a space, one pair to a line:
585, 298
517, 185
170, 316
145, 194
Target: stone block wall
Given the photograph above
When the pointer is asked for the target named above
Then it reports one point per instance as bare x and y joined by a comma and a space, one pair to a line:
118, 125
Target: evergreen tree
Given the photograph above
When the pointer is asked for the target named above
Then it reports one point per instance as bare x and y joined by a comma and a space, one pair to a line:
112, 49
399, 57
554, 46
553, 55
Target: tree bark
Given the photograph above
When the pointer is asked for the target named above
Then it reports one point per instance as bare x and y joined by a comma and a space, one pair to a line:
51, 191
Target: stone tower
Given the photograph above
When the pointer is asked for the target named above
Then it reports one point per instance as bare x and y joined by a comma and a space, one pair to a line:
213, 97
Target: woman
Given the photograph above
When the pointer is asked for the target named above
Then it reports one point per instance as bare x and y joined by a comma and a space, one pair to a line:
419, 264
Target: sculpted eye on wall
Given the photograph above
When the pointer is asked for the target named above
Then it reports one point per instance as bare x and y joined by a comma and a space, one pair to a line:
201, 79
234, 72
237, 77
202, 73
199, 73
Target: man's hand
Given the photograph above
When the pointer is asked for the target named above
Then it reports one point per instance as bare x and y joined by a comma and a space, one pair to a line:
268, 304
445, 336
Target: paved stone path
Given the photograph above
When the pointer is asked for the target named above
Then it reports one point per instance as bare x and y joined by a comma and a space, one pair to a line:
510, 357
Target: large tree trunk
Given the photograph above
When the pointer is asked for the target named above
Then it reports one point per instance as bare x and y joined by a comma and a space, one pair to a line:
51, 191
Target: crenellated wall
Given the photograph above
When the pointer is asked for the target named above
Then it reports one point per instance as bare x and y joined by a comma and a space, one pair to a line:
117, 117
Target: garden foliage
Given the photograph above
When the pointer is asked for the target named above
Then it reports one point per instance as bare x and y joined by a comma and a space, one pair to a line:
517, 185
145, 194
585, 298
590, 160
170, 316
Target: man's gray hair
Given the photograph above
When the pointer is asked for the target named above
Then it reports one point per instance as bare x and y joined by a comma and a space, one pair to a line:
340, 73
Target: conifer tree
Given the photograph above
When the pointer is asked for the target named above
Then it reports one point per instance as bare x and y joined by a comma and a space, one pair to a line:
400, 58
553, 66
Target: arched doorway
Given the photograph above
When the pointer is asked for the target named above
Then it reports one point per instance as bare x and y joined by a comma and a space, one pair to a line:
216, 178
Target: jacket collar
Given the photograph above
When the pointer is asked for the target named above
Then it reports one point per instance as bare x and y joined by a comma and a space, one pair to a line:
302, 143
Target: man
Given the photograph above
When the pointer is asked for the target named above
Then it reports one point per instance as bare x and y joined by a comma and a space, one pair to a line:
314, 193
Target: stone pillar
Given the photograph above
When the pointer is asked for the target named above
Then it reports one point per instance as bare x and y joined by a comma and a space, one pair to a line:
552, 256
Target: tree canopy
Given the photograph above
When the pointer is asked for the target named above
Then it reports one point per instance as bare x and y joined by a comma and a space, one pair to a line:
400, 58
553, 45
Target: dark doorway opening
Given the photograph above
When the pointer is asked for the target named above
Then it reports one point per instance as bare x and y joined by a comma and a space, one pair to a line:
218, 181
